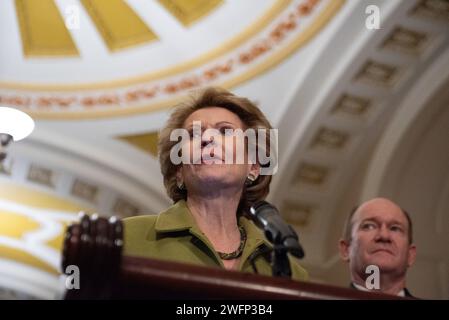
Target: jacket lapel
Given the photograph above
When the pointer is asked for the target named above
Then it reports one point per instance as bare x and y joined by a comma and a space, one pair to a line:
178, 218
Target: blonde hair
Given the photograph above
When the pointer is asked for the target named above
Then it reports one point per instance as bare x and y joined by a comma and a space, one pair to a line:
248, 113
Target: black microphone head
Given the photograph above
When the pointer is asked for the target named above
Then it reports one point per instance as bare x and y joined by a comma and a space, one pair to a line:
259, 204
255, 207
267, 217
262, 206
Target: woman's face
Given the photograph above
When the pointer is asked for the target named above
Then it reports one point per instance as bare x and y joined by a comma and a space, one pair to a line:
213, 152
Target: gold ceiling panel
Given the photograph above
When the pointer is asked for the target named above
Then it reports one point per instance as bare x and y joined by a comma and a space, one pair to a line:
406, 40
15, 226
225, 48
19, 255
352, 105
151, 104
312, 174
58, 242
85, 190
41, 175
433, 9
298, 213
146, 142
37, 199
118, 24
43, 30
330, 139
378, 73
188, 12
124, 208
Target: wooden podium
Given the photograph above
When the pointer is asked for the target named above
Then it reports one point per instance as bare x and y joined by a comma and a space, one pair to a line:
95, 247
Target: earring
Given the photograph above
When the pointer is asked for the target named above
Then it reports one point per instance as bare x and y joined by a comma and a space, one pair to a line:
250, 179
181, 185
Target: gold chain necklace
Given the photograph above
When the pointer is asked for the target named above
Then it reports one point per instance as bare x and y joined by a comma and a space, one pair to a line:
237, 253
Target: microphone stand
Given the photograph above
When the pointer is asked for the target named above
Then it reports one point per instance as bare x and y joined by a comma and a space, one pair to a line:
281, 264
282, 236
282, 245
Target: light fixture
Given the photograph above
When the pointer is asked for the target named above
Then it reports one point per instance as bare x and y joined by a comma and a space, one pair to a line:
14, 126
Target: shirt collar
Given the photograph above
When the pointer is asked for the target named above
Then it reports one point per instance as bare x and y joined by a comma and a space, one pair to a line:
362, 288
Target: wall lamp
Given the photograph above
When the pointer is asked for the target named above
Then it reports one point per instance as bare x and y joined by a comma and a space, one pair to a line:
14, 126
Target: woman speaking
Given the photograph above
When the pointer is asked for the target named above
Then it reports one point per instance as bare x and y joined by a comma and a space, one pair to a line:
211, 189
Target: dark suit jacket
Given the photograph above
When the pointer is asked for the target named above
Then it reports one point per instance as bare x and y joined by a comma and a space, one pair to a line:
406, 292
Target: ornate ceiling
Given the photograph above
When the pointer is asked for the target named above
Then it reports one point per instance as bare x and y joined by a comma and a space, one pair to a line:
137, 56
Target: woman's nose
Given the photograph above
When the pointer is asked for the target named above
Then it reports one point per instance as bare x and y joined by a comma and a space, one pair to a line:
206, 141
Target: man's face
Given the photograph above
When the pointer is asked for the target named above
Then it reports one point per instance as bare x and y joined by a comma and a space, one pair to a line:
379, 236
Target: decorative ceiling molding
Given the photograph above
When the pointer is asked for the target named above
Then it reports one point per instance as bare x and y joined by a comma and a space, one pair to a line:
407, 40
147, 142
409, 165
351, 105
118, 24
329, 138
298, 214
84, 190
38, 200
41, 175
355, 104
26, 281
433, 9
103, 162
124, 208
188, 12
43, 36
225, 48
33, 223
44, 32
412, 105
297, 25
378, 73
95, 196
311, 174
24, 257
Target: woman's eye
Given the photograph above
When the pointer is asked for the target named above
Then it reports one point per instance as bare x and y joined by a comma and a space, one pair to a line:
228, 131
195, 133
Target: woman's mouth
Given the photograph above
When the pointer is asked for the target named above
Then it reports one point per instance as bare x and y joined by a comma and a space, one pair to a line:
211, 160
209, 157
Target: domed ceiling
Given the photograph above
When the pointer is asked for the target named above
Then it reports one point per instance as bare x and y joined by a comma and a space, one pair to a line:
93, 58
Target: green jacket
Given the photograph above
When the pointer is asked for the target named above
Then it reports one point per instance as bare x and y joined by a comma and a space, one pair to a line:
173, 235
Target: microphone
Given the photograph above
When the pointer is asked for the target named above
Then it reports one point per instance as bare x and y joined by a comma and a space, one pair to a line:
277, 231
